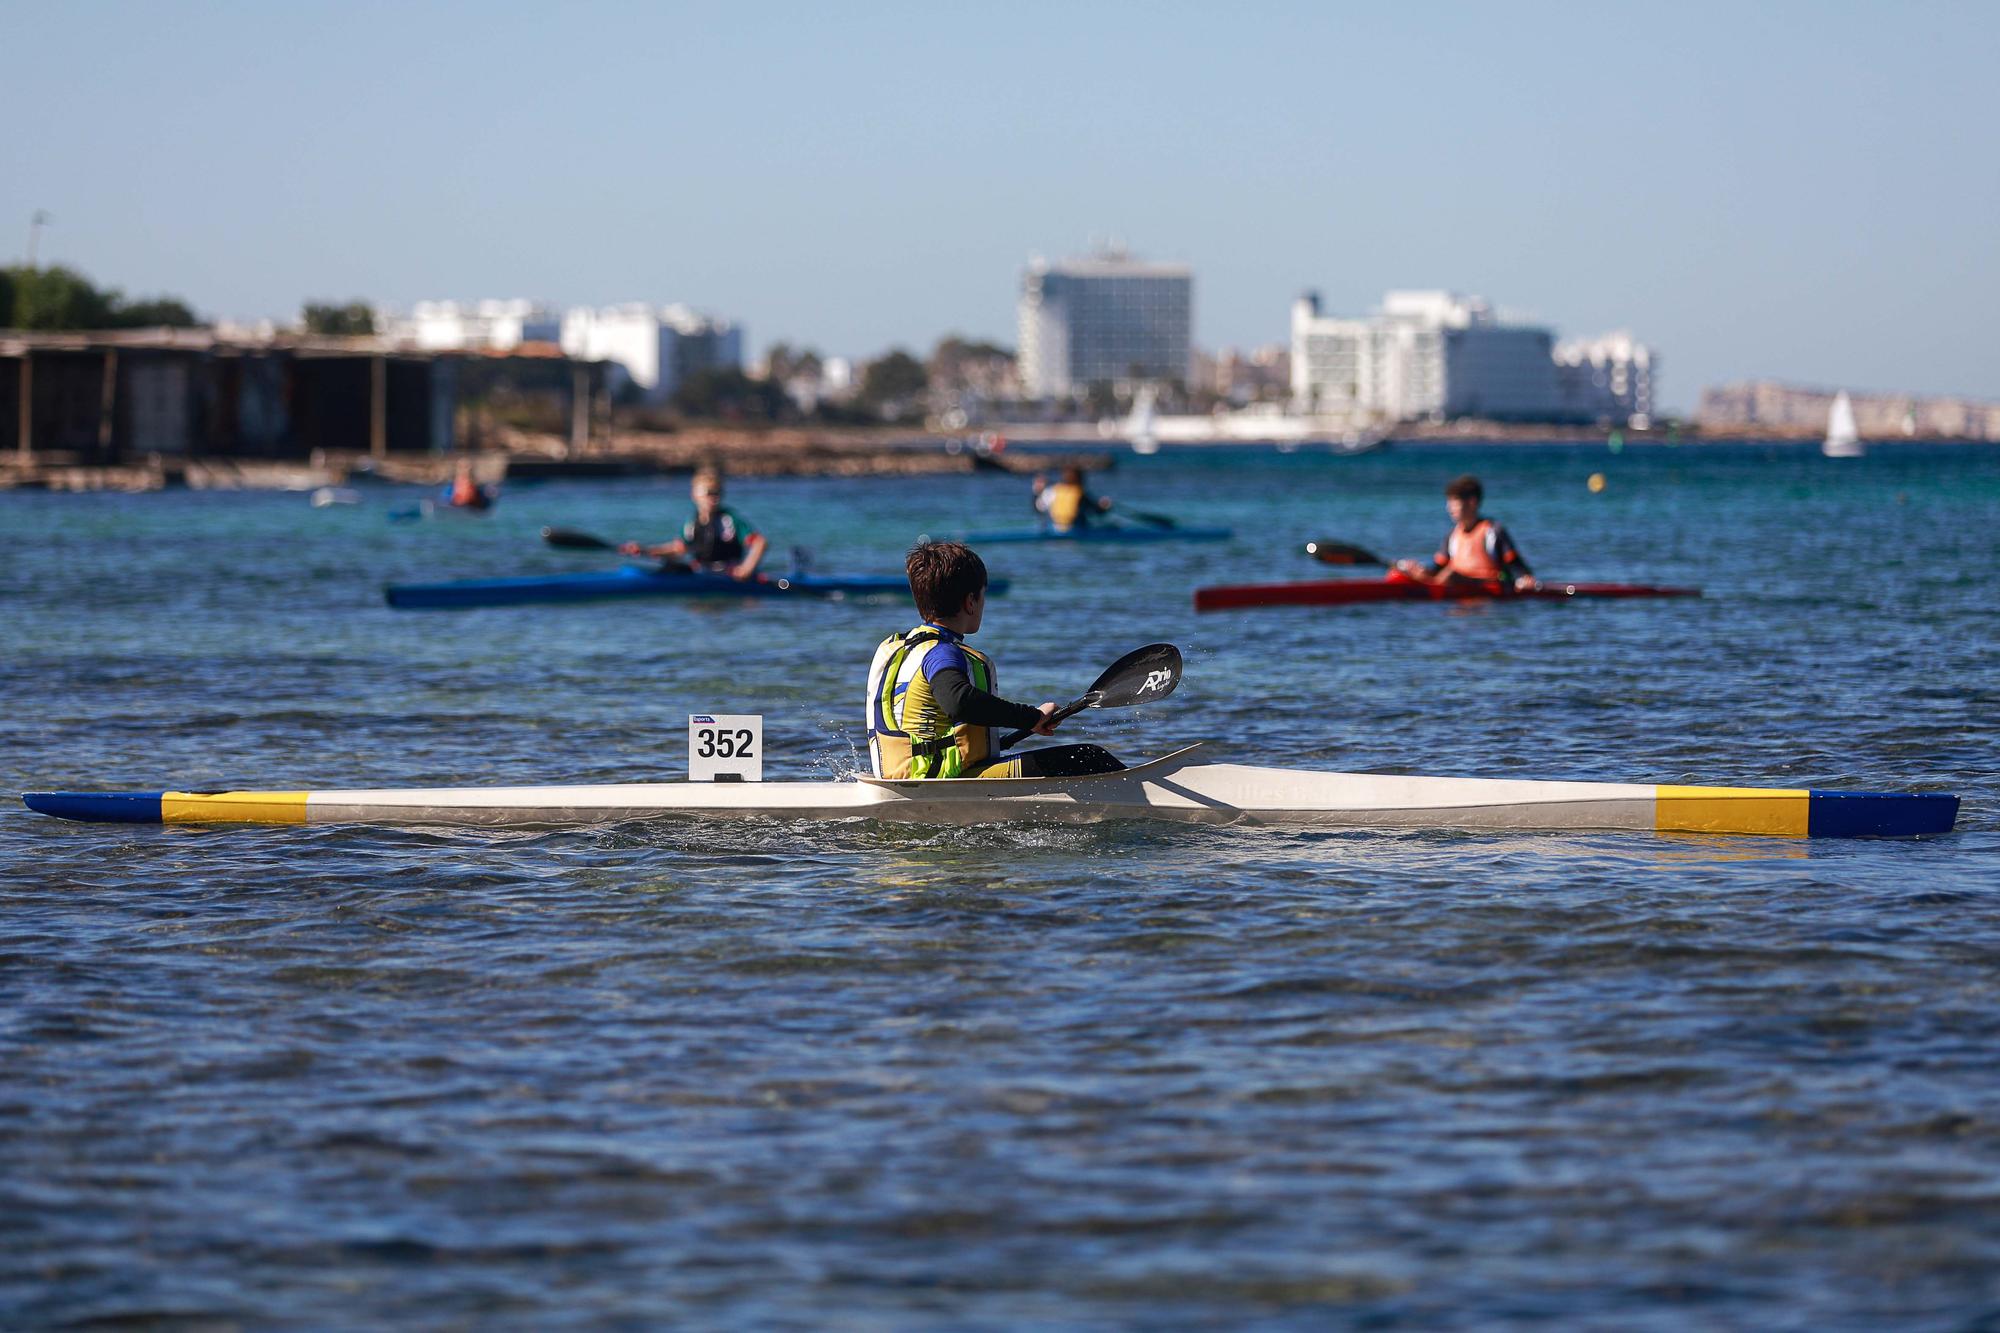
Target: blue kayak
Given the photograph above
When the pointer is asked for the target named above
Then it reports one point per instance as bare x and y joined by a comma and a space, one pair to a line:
1093, 535
642, 581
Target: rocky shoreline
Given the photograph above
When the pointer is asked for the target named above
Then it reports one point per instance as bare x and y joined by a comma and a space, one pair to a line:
743, 452
521, 455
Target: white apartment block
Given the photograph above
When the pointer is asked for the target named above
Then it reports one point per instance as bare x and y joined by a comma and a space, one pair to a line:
1428, 354
448, 326
1608, 378
654, 348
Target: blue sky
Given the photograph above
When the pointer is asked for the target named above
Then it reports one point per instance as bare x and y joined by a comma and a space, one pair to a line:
1807, 191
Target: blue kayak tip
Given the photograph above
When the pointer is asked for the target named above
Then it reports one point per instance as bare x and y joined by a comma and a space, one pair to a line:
1878, 814
97, 807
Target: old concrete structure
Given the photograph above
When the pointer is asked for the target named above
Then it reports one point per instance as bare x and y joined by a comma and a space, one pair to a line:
111, 397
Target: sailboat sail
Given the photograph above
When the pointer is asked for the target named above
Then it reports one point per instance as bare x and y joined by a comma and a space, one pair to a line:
1842, 440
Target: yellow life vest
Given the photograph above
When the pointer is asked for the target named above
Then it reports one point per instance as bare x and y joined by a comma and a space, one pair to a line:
1065, 504
908, 736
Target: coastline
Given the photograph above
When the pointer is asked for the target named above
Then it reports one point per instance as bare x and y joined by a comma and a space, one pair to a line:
773, 452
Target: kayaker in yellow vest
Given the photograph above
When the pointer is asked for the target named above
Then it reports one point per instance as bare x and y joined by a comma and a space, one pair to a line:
931, 706
1069, 505
1476, 550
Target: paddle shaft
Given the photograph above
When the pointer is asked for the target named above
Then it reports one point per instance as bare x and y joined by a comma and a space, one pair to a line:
1066, 711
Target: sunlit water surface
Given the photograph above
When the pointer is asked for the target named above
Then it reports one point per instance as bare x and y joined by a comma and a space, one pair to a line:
1111, 1074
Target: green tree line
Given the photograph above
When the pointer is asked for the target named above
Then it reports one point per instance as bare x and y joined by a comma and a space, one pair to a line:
58, 299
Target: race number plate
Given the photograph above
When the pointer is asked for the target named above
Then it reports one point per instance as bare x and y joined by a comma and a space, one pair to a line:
725, 746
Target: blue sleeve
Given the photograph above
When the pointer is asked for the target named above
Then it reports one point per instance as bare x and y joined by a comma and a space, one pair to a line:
945, 657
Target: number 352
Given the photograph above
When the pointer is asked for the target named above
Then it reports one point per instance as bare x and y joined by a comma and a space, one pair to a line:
724, 743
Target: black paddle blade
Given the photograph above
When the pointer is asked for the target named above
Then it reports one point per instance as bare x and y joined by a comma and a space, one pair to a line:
1139, 677
1342, 553
571, 540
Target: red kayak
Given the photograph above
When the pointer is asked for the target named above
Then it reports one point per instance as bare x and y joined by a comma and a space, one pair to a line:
1349, 592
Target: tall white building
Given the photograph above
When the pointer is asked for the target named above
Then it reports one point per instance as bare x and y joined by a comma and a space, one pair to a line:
1105, 319
1608, 378
656, 348
1424, 354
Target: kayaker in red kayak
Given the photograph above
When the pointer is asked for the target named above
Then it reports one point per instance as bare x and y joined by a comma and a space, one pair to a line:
931, 706
714, 539
1476, 550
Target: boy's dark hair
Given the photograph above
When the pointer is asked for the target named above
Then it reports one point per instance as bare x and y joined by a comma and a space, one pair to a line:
942, 576
1465, 488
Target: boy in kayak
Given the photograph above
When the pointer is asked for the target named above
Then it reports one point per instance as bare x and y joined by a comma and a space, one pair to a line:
1476, 550
714, 539
931, 709
465, 492
1069, 505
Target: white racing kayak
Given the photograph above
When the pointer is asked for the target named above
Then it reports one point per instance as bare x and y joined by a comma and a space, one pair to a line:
1174, 787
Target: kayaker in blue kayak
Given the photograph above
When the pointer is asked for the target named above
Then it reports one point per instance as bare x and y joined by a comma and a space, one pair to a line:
931, 706
714, 539
1476, 550
1069, 505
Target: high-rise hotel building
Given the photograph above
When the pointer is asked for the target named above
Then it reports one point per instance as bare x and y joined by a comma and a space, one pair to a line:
1108, 318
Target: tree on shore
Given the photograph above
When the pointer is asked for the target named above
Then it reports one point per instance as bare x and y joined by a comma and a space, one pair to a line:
729, 393
353, 320
891, 382
783, 363
58, 299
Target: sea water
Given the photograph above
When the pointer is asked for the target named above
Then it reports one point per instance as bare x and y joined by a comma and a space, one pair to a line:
1119, 1074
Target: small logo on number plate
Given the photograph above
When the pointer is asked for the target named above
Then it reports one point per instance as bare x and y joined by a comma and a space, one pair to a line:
701, 720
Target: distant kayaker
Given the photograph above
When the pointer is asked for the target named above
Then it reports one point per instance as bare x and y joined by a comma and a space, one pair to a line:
931, 706
1070, 505
465, 492
1476, 549
714, 539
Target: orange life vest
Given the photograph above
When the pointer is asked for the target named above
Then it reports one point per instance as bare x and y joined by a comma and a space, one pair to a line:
1468, 554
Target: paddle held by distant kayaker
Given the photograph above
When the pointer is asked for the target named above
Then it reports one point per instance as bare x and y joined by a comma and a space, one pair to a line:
714, 538
1476, 550
931, 706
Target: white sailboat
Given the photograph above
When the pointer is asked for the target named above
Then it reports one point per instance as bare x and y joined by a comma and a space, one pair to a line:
1842, 440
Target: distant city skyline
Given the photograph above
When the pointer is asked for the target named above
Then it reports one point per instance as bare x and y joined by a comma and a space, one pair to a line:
1785, 191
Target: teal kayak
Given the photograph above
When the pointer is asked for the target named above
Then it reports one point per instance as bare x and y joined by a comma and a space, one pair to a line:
634, 581
1121, 536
